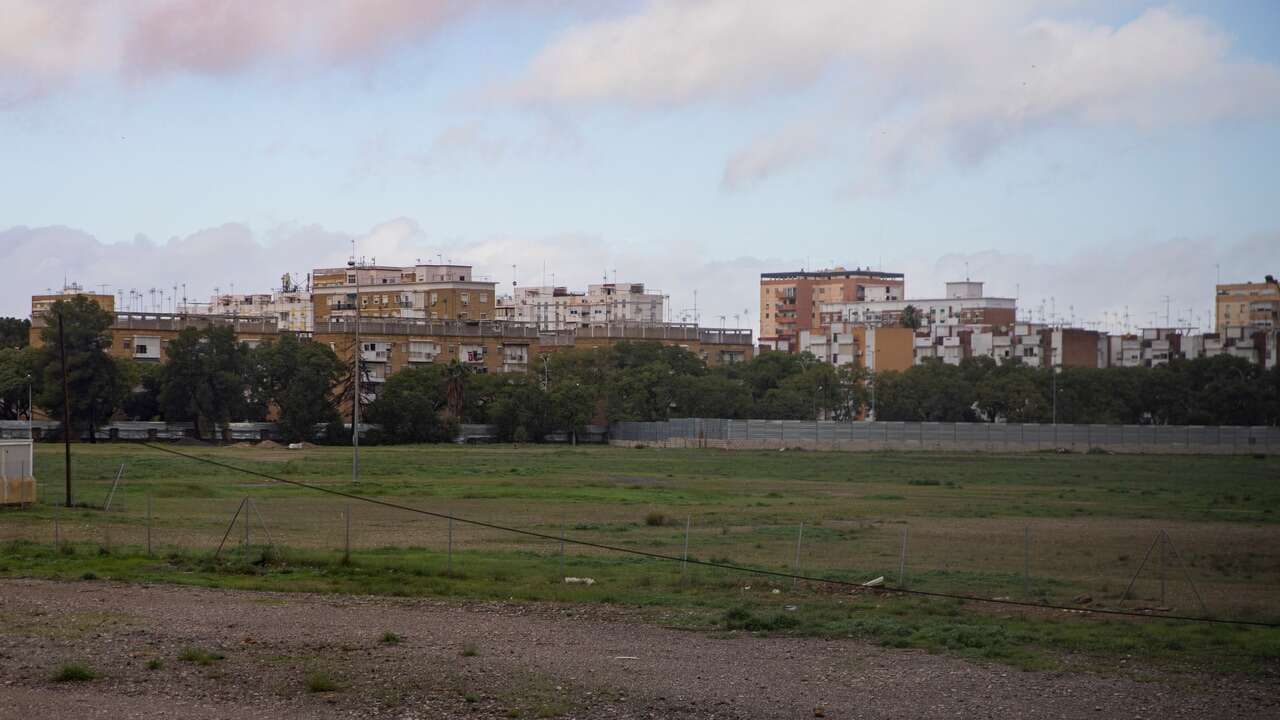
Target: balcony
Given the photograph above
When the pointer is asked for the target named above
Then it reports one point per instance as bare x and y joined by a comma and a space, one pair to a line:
422, 357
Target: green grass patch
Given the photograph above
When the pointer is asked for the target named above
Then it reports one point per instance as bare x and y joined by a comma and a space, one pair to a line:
74, 672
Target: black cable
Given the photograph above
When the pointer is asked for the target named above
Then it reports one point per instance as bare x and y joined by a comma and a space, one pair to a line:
707, 563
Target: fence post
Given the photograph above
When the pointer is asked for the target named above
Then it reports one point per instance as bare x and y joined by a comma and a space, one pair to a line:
57, 538
562, 523
346, 549
799, 539
902, 561
684, 559
449, 562
1026, 561
148, 524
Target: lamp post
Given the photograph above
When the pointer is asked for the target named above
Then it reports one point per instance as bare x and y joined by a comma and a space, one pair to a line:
355, 398
31, 427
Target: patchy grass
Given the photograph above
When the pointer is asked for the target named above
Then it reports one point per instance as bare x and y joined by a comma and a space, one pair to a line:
389, 638
318, 681
971, 523
74, 672
199, 656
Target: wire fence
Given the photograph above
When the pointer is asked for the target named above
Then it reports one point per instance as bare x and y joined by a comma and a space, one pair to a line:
1219, 571
982, 437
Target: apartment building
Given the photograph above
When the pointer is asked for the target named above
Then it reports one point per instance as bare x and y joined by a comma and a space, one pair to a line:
423, 292
143, 336
292, 309
557, 308
1247, 304
389, 345
964, 304
790, 301
869, 346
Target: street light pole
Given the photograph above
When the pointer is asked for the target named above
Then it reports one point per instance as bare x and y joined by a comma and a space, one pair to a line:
355, 398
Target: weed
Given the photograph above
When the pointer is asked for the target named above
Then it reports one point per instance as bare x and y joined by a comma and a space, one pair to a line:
319, 681
88, 575
469, 650
656, 519
74, 672
199, 656
155, 664
390, 638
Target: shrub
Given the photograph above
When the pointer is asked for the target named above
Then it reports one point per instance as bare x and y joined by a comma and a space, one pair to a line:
656, 519
199, 656
390, 638
318, 681
74, 672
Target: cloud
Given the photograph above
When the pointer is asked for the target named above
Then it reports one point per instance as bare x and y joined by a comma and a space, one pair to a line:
916, 82
46, 46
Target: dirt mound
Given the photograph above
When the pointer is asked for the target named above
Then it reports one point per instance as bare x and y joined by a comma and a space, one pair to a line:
268, 444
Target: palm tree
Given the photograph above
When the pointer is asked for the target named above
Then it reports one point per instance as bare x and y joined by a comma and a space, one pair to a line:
455, 388
910, 317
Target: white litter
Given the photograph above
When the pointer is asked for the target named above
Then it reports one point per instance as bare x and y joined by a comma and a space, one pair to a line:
874, 583
579, 581
295, 446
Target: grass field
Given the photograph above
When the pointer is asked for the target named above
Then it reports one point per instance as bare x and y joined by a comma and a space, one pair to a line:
1081, 525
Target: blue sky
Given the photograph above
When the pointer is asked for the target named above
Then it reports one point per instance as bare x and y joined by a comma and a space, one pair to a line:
1104, 155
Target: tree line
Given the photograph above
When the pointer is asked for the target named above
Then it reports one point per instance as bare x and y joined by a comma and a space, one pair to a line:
209, 378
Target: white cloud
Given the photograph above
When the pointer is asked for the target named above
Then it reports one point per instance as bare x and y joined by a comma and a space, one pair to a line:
46, 46
916, 81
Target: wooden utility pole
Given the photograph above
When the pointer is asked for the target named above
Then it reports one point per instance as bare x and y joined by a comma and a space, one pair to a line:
66, 405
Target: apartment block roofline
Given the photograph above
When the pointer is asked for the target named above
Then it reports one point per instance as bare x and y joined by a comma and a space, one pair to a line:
833, 273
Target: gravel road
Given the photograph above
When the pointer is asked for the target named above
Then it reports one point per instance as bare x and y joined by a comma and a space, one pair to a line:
482, 660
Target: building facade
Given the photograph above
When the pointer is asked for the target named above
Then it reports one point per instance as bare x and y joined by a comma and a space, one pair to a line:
1248, 304
964, 304
422, 292
790, 301
556, 308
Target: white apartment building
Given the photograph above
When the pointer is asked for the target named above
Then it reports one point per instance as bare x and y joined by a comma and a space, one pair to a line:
556, 308
964, 303
291, 309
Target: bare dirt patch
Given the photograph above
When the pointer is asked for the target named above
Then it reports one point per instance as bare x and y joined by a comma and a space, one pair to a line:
267, 654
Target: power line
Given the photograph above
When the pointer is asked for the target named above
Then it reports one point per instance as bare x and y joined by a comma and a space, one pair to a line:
705, 563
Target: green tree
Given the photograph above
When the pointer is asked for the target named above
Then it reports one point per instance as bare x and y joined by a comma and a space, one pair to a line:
409, 407
205, 378
911, 317
95, 381
294, 379
143, 403
572, 406
14, 332
18, 368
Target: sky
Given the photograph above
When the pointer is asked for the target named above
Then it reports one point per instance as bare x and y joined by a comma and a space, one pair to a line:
1096, 160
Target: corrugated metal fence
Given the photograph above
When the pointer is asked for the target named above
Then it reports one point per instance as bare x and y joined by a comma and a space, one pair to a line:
995, 437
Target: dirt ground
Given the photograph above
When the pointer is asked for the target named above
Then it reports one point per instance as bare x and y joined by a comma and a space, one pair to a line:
482, 660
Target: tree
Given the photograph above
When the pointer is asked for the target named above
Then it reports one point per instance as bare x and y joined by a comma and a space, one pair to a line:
910, 317
17, 371
94, 380
409, 407
205, 379
571, 407
14, 332
294, 380
143, 403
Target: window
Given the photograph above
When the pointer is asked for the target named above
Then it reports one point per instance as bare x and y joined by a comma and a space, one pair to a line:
140, 350
127, 343
433, 300
466, 298
351, 279
484, 297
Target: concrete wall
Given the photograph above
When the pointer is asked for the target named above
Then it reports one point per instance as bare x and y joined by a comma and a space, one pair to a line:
975, 437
